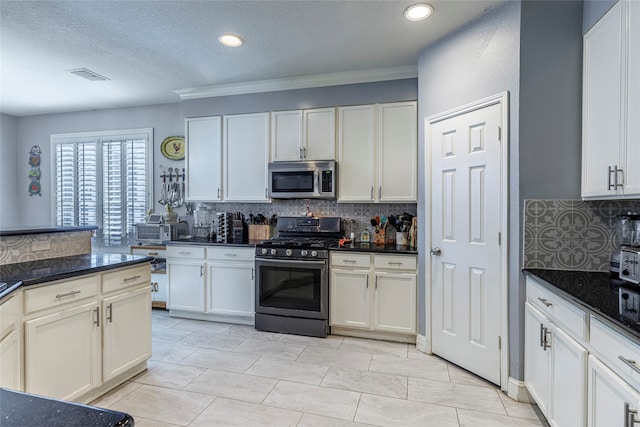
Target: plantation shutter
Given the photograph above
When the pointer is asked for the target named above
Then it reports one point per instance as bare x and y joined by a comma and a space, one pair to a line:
102, 180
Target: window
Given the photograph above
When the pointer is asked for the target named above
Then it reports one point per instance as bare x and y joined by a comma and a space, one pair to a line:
103, 179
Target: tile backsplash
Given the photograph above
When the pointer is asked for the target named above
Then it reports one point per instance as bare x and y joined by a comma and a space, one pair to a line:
359, 214
572, 234
14, 249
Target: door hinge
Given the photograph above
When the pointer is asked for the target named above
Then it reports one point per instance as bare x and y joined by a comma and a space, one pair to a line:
499, 238
499, 342
499, 133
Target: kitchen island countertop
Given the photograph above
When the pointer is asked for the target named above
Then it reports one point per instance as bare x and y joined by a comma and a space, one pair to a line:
48, 270
21, 231
25, 409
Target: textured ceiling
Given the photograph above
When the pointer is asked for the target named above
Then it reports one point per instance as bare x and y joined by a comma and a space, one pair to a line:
149, 49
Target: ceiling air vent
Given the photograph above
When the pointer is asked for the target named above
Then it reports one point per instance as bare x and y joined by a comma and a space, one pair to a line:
87, 74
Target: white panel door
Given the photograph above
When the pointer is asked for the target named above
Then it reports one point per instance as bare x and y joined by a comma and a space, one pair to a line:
186, 285
466, 217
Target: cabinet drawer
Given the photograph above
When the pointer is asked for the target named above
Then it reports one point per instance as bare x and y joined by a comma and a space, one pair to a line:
395, 262
562, 312
156, 253
339, 259
60, 293
9, 311
191, 252
611, 347
230, 253
121, 279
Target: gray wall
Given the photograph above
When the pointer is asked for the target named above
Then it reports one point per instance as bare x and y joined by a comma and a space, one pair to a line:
593, 11
166, 120
9, 186
477, 62
533, 50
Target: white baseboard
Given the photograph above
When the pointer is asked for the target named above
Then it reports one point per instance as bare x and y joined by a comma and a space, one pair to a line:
517, 391
422, 344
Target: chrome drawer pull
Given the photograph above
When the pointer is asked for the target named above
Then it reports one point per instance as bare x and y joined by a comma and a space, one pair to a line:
230, 254
97, 321
153, 253
128, 279
545, 302
68, 294
353, 261
630, 416
395, 263
110, 315
184, 253
631, 363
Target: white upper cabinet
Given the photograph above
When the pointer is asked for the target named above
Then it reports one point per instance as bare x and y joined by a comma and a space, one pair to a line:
611, 111
303, 135
398, 152
246, 155
378, 152
203, 154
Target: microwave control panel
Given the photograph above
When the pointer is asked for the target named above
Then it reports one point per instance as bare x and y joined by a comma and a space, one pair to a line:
327, 181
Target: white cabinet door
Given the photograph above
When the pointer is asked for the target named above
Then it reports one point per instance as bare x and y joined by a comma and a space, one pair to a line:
356, 153
186, 285
246, 148
203, 154
394, 302
286, 135
319, 141
159, 288
568, 380
537, 358
397, 152
126, 331
349, 298
11, 362
62, 352
610, 399
632, 172
231, 289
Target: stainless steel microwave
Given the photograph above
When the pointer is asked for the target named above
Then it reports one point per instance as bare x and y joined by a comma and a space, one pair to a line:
302, 180
159, 233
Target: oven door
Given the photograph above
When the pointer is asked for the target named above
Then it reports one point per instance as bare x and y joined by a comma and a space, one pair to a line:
292, 288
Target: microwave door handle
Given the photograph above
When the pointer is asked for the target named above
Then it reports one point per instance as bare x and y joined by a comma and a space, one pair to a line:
317, 182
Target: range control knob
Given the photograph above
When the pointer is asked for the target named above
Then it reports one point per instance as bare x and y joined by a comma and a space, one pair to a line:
274, 251
314, 253
625, 272
264, 251
288, 252
304, 252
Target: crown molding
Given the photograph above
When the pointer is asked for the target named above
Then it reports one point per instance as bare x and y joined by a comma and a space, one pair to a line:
317, 80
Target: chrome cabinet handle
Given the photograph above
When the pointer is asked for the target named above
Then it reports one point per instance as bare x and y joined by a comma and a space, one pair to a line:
300, 153
367, 281
630, 416
631, 363
376, 282
371, 192
545, 302
253, 274
545, 343
201, 270
609, 172
184, 253
541, 335
621, 177
128, 279
394, 263
97, 321
380, 192
352, 261
230, 254
68, 294
110, 313
219, 195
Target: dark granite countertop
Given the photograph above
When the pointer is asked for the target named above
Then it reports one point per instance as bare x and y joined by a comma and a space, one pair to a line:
372, 247
47, 270
21, 231
24, 409
196, 241
596, 292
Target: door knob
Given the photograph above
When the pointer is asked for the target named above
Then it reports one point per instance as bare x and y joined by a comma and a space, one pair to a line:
436, 251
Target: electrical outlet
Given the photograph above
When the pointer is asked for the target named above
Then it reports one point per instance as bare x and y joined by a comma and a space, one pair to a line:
40, 246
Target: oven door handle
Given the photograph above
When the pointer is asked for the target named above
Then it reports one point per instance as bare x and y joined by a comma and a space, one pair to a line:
283, 260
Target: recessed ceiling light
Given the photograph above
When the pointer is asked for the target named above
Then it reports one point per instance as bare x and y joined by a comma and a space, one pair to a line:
230, 40
87, 74
418, 12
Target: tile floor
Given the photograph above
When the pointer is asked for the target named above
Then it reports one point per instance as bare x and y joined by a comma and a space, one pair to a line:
217, 374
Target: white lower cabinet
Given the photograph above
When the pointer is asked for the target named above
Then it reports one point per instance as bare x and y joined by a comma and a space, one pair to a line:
186, 278
126, 331
578, 372
63, 352
612, 401
10, 362
231, 281
373, 292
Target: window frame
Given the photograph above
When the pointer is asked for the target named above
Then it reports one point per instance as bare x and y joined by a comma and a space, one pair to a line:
98, 136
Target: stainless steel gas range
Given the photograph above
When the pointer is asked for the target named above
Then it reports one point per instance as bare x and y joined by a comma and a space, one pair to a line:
292, 276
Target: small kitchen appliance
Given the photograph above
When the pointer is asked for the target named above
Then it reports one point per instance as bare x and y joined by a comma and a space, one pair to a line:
154, 234
630, 264
292, 276
628, 237
302, 180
